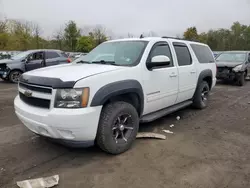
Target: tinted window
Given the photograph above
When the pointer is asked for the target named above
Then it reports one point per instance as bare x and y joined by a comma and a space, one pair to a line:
183, 55
36, 56
64, 54
51, 55
161, 49
203, 53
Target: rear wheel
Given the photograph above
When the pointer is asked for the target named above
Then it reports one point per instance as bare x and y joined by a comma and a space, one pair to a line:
201, 95
118, 127
14, 76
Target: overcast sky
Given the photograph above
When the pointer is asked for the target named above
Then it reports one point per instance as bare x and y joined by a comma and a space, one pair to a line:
165, 17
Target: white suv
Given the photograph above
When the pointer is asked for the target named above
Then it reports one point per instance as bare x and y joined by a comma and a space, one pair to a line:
102, 97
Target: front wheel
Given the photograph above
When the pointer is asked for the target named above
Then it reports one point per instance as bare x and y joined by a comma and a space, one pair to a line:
14, 76
242, 79
201, 95
118, 127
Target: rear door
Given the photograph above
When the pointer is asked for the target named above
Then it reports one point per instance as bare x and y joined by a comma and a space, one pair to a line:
52, 58
187, 72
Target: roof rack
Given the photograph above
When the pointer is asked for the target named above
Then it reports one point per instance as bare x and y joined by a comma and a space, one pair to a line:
165, 37
179, 39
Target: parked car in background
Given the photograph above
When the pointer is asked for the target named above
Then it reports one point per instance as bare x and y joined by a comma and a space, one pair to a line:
233, 65
11, 69
216, 53
79, 55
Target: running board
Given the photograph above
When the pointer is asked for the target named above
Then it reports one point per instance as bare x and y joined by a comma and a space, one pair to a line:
158, 114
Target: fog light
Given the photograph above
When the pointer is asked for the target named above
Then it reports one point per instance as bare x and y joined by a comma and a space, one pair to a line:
43, 131
66, 134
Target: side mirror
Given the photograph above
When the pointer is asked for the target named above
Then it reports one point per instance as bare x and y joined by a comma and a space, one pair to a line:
25, 60
158, 61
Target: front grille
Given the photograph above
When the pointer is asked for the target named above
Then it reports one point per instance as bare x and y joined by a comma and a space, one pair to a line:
42, 103
223, 69
35, 88
2, 67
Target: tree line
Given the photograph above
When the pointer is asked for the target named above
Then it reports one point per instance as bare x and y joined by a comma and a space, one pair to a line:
235, 38
24, 35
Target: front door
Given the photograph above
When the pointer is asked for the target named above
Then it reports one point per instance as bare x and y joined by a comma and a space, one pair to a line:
35, 61
161, 84
187, 72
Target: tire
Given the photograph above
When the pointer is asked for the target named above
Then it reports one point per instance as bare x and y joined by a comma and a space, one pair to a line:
242, 78
200, 100
14, 76
109, 137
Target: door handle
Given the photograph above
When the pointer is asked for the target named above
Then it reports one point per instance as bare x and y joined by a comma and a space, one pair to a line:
192, 72
173, 75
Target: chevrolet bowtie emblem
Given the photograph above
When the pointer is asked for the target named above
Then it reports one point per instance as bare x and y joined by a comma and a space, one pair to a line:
28, 93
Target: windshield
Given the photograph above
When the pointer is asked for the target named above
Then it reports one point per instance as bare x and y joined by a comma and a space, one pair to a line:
20, 55
123, 53
232, 57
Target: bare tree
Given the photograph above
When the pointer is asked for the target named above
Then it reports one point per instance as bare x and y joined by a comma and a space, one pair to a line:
58, 36
130, 35
36, 30
99, 34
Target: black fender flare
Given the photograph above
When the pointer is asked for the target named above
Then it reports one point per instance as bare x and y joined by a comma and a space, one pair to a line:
203, 74
118, 88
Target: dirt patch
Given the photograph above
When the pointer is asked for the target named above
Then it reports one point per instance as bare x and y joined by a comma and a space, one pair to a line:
209, 148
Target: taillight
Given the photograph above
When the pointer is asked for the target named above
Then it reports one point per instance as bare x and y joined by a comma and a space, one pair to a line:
69, 60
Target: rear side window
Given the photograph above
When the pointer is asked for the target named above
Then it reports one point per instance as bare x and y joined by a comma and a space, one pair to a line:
203, 53
64, 54
51, 55
183, 55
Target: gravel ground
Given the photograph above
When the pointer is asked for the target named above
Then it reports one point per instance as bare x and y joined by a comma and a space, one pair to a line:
209, 148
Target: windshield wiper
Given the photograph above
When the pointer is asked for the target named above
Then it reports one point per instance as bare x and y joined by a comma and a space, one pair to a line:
106, 62
81, 61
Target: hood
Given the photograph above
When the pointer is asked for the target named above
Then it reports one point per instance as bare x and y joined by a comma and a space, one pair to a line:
2, 61
227, 64
8, 61
73, 72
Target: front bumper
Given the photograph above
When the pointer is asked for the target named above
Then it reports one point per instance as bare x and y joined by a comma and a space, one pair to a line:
72, 126
230, 75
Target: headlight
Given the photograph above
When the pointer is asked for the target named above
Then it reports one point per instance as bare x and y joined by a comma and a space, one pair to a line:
237, 68
72, 98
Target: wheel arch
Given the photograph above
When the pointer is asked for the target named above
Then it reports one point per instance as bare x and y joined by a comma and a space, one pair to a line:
206, 75
126, 90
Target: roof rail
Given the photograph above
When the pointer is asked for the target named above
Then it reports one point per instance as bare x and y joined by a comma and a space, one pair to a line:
172, 38
179, 39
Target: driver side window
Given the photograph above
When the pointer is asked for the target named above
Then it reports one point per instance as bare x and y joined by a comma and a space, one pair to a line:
249, 58
36, 56
161, 49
